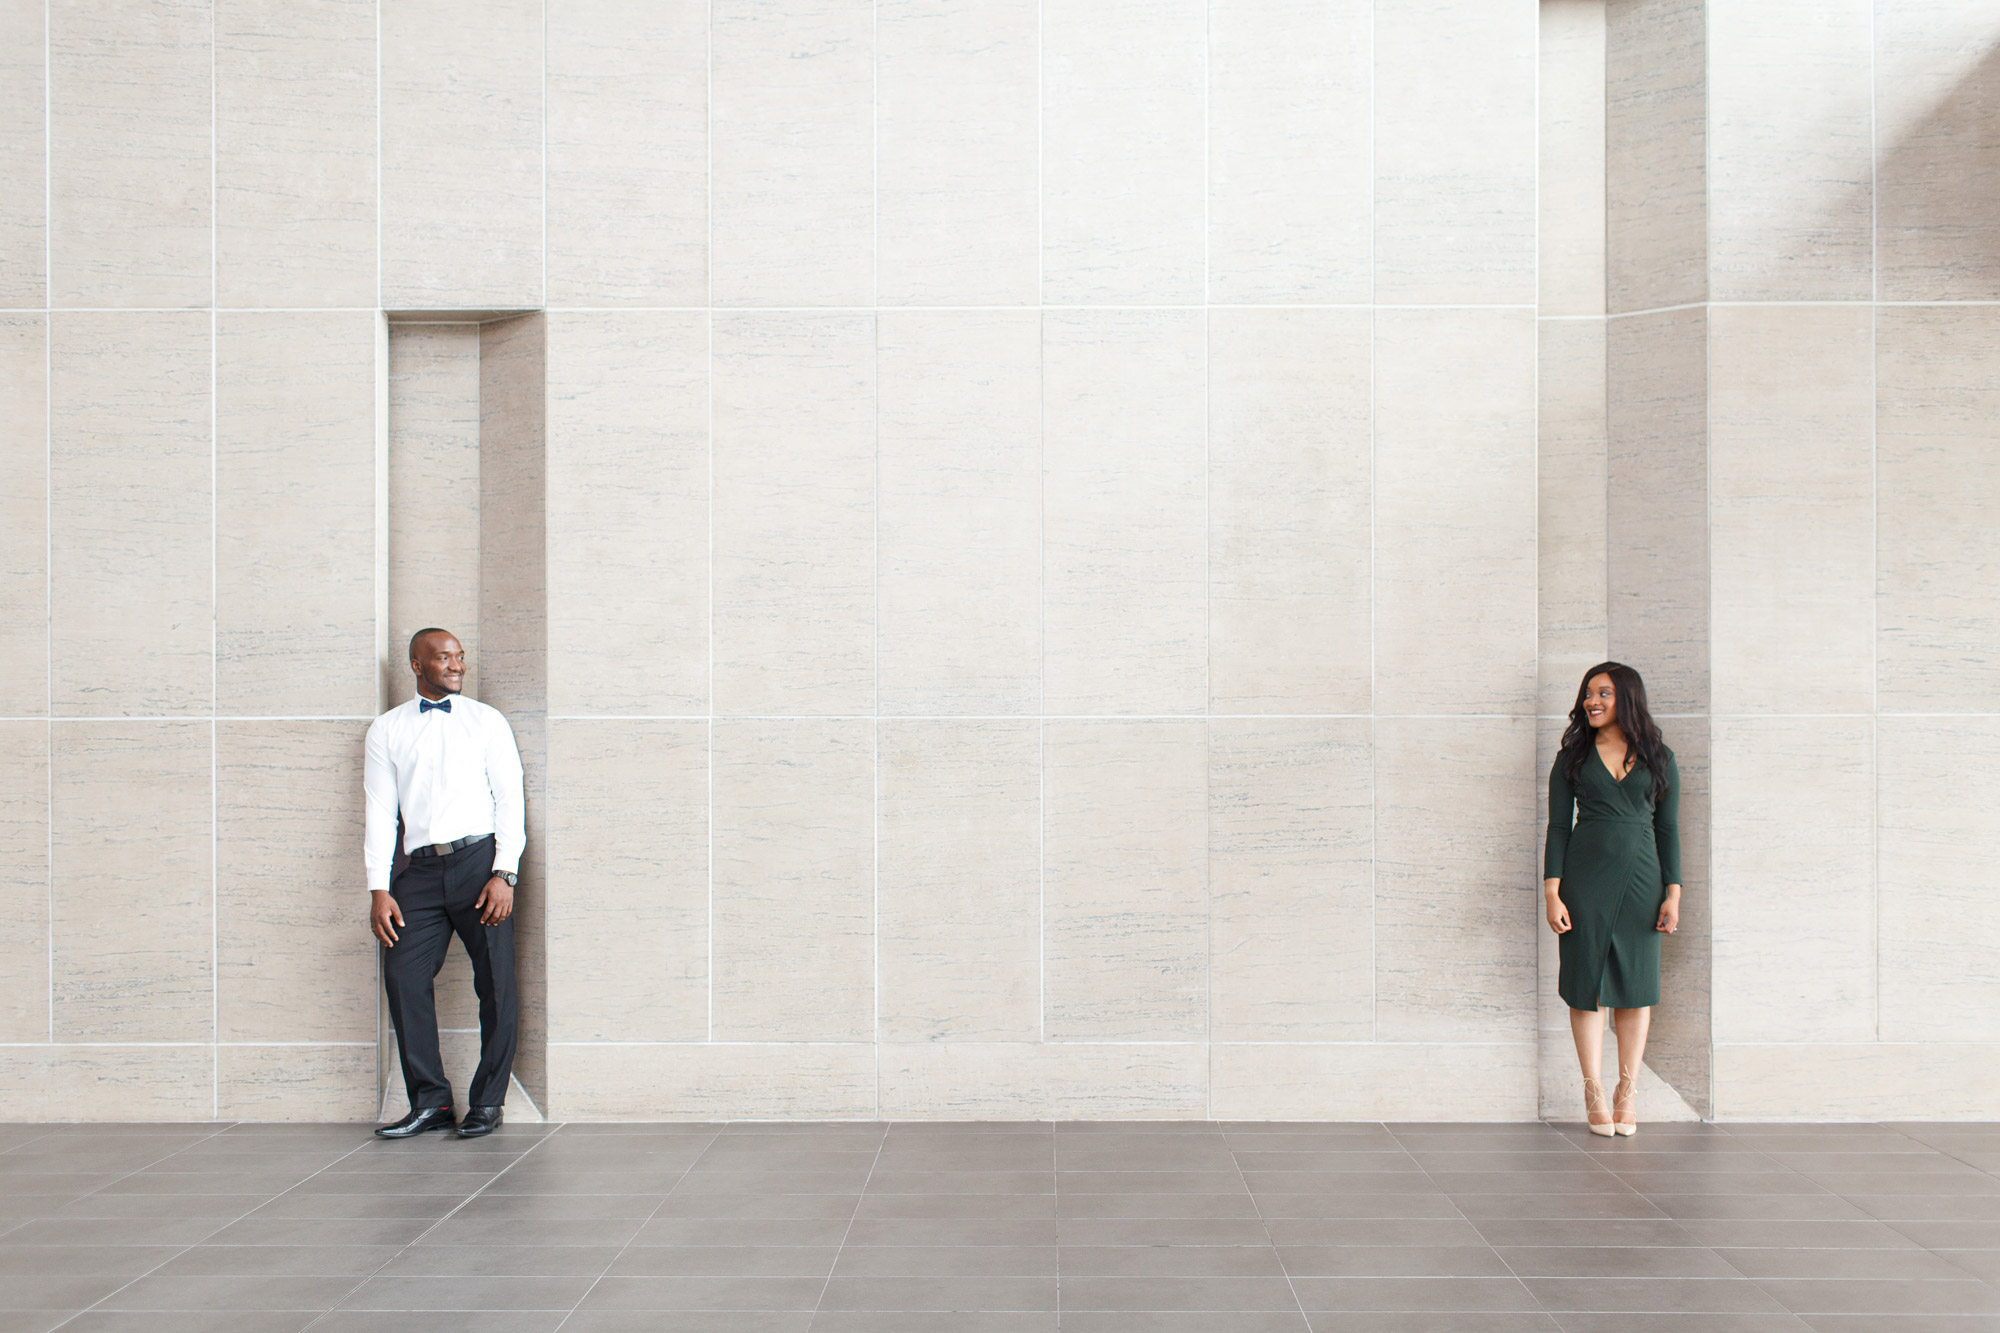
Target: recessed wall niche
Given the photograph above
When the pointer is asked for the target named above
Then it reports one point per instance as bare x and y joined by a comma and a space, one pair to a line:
465, 506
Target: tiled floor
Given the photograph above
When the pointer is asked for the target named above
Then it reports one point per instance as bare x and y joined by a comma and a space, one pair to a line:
1095, 1228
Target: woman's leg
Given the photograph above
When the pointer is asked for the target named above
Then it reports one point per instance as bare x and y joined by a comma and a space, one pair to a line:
1631, 1026
1586, 1026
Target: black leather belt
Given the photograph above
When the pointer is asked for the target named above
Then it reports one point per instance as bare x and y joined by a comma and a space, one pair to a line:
447, 848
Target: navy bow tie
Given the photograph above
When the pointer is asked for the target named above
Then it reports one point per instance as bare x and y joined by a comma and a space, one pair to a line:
425, 705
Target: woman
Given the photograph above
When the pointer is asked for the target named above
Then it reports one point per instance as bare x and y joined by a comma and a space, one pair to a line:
1613, 880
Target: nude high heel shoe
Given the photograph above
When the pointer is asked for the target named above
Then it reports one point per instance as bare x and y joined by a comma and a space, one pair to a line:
1625, 1105
1593, 1106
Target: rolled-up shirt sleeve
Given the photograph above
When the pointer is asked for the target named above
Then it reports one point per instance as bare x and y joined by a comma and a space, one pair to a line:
503, 779
378, 785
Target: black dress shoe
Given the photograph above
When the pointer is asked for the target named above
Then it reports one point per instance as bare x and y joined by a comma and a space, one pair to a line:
479, 1121
417, 1122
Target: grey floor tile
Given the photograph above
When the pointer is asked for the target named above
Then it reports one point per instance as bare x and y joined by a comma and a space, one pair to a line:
556, 1207
1942, 1235
940, 1293
1373, 1231
1558, 1207
998, 1153
1413, 1294
387, 1184
1150, 1182
1351, 1138
771, 1182
259, 1229
1885, 1297
126, 1261
1225, 1294
488, 1230
1763, 1207
1393, 1261
1656, 1183
1708, 1321
1928, 1207
776, 1231
442, 1321
1452, 1162
794, 1207
1156, 1152
1235, 1205
1572, 1183
1160, 1231
1183, 1321
1897, 1323
1857, 1264
988, 1321
1660, 1295
1896, 1163
687, 1321
1583, 1231
279, 1260
57, 1291
1666, 1261
726, 1261
1405, 1179
109, 1231
1390, 1158
357, 1205
192, 1321
704, 1293
484, 1292
761, 1155
962, 1182
957, 1205
34, 1321
499, 1259
1345, 1206
1964, 1182
1982, 1264
231, 1292
947, 1261
1833, 1234
1170, 1261
1430, 1322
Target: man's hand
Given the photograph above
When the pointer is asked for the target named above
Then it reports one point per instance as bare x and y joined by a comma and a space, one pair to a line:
496, 902
381, 913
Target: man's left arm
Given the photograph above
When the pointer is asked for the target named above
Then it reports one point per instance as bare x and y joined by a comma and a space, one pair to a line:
510, 815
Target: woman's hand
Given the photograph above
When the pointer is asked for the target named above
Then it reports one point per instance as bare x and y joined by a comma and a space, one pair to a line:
1553, 903
1670, 911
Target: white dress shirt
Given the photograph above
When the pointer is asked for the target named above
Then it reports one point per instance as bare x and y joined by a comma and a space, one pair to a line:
452, 775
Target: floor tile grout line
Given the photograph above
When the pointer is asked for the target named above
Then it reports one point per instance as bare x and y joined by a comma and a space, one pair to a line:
714, 1137
848, 1230
405, 1248
186, 1249
1265, 1224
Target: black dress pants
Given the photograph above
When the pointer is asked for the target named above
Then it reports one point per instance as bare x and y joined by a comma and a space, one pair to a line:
436, 895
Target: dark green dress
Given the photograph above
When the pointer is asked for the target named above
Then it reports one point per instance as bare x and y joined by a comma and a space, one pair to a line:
1615, 865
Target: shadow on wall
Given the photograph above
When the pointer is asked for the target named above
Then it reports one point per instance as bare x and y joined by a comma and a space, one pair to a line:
1937, 189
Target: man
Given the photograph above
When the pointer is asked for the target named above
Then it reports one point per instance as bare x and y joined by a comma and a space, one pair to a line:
449, 766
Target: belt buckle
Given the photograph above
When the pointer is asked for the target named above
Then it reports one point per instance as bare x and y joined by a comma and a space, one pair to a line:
441, 849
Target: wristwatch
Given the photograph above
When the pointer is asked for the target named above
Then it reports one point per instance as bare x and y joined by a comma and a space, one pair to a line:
508, 875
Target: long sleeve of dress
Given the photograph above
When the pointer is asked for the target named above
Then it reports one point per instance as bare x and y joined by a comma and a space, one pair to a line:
1667, 825
1562, 816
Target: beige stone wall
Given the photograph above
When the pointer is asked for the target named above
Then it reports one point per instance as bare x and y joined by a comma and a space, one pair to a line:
1034, 550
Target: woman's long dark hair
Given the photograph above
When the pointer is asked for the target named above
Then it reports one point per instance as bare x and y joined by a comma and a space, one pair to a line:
1648, 749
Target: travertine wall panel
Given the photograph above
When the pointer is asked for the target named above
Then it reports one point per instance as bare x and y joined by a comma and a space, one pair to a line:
957, 203
295, 152
713, 1081
1291, 827
24, 881
794, 897
131, 513
792, 144
628, 512
24, 514
1289, 190
1572, 534
310, 1083
1937, 443
433, 495
295, 473
1794, 900
959, 551
1937, 90
1570, 184
1939, 978
1856, 1081
130, 102
627, 152
1791, 200
1124, 493
628, 916
1791, 529
794, 513
1289, 551
1372, 1080
24, 157
1125, 881
1454, 152
1122, 134
1655, 153
100, 1079
294, 959
461, 125
1454, 865
133, 884
959, 911
1657, 505
1454, 551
